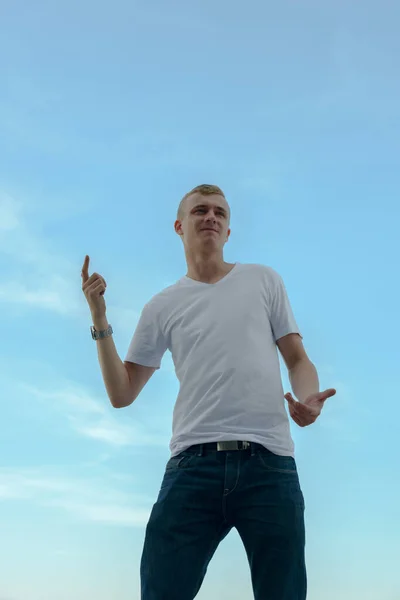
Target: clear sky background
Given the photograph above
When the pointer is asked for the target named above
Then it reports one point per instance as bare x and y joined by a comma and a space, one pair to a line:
109, 114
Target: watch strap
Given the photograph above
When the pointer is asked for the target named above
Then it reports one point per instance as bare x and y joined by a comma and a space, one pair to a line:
99, 335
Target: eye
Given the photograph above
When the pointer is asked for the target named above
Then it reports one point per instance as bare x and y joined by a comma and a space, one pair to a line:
203, 209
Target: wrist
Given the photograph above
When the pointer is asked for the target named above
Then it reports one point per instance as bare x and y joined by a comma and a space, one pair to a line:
100, 323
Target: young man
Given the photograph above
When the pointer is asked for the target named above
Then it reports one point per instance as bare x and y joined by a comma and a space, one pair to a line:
232, 456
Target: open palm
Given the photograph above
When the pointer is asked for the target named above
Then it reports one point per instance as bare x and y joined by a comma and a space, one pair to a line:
307, 412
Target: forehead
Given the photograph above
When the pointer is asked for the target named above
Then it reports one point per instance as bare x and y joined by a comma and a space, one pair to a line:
215, 200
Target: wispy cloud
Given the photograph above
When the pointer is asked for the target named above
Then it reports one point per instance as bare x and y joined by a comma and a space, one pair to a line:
52, 297
89, 500
43, 278
110, 514
91, 418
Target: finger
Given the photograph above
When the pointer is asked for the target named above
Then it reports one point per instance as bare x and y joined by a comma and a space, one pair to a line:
95, 292
294, 413
85, 269
300, 408
96, 287
326, 394
290, 398
94, 278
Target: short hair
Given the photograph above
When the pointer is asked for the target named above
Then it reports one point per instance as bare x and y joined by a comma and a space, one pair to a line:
204, 189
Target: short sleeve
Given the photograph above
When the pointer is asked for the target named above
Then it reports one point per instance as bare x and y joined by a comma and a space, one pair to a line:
148, 344
282, 318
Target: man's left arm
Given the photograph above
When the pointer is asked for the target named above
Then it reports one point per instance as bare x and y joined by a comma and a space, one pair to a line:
304, 380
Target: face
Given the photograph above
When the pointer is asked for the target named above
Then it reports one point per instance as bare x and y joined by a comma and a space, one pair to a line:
206, 220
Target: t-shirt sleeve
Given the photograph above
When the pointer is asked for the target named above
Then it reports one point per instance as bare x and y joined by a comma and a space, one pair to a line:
282, 318
148, 344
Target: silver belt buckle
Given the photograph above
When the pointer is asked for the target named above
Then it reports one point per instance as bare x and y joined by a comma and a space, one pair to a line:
231, 445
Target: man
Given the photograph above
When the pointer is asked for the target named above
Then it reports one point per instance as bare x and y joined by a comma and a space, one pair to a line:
232, 456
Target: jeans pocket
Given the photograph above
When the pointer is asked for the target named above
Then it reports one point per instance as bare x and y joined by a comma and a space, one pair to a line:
277, 463
181, 461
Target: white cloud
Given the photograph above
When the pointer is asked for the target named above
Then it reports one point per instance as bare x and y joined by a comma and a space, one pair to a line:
111, 433
91, 418
39, 278
50, 298
107, 514
90, 500
71, 397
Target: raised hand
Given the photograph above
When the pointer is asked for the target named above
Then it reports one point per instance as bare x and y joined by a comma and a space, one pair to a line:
305, 413
94, 288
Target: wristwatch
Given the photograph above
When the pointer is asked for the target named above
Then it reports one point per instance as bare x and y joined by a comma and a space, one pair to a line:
99, 335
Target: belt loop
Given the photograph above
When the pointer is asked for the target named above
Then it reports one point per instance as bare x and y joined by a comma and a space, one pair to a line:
253, 448
201, 450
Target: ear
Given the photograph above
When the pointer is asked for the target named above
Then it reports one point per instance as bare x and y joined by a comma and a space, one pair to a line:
178, 227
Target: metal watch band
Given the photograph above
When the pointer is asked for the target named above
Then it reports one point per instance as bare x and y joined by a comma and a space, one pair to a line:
99, 335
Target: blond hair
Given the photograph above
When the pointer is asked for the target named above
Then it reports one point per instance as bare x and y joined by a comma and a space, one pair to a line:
204, 189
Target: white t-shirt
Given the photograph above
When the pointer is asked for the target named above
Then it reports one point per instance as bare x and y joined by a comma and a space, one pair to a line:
222, 338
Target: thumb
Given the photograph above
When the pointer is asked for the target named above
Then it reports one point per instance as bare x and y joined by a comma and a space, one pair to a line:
289, 397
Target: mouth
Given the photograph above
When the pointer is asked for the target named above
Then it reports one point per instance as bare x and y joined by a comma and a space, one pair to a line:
215, 231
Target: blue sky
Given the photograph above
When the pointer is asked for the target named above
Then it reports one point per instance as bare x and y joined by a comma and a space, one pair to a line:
109, 114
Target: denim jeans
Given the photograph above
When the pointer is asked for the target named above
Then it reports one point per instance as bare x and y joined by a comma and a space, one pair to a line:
204, 493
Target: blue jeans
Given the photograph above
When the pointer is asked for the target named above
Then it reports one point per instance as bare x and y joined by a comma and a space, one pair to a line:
204, 493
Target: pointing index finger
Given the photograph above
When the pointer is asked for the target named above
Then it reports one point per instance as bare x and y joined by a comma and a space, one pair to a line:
85, 269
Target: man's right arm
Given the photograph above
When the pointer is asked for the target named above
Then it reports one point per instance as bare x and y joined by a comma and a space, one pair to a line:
115, 374
123, 381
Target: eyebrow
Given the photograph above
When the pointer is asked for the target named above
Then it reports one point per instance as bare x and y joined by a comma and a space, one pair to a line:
206, 206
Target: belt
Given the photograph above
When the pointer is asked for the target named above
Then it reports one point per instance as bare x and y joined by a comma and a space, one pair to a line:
230, 445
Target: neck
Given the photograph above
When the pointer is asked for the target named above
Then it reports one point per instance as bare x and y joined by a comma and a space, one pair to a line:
208, 272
